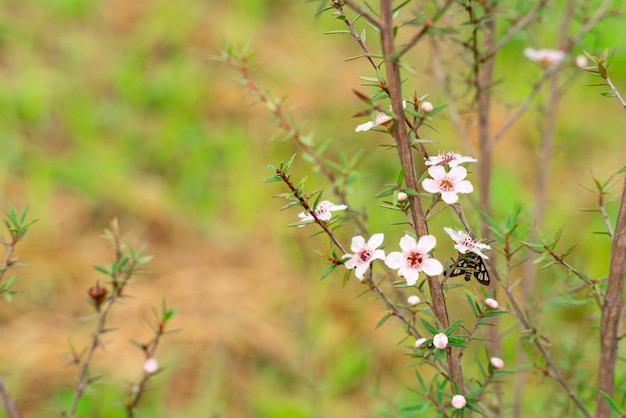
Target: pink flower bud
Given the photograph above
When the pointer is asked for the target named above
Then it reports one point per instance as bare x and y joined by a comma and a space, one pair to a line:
150, 365
492, 303
581, 61
427, 107
402, 196
419, 342
458, 401
440, 341
413, 300
496, 362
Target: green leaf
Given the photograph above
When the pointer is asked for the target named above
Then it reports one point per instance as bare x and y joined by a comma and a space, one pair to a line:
429, 326
610, 401
383, 320
329, 270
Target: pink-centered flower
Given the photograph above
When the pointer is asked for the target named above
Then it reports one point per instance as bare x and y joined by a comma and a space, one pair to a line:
496, 362
452, 159
364, 254
447, 183
323, 211
545, 56
458, 402
440, 341
414, 258
463, 242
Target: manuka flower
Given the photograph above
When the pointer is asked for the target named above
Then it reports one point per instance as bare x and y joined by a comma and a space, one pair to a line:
452, 159
414, 258
464, 243
364, 254
381, 119
322, 211
447, 183
545, 56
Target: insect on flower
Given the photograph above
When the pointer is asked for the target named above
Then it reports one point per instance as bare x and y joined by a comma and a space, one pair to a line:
468, 264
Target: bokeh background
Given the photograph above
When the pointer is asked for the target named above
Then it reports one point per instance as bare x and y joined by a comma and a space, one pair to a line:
116, 109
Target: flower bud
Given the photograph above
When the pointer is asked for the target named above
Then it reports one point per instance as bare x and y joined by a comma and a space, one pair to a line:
150, 365
419, 342
458, 401
496, 362
581, 61
440, 341
492, 303
402, 196
97, 294
427, 107
413, 300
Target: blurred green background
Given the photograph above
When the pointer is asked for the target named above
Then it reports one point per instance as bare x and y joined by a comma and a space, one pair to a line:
115, 109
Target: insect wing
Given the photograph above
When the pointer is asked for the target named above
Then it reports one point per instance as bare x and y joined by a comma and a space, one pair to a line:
470, 264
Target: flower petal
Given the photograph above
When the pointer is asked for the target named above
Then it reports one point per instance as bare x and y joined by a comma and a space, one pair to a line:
395, 260
450, 197
453, 234
410, 275
437, 172
426, 244
464, 187
360, 270
407, 243
378, 255
430, 185
375, 240
365, 126
432, 267
357, 243
457, 173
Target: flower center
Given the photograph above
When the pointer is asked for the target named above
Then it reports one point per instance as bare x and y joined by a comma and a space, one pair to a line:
365, 255
414, 259
446, 185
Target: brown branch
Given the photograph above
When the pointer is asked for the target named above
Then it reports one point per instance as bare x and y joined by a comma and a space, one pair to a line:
403, 144
612, 312
354, 6
10, 407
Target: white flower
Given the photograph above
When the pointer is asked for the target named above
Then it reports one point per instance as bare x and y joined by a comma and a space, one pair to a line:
440, 341
413, 300
419, 342
464, 243
150, 365
492, 303
402, 196
364, 253
497, 362
545, 56
414, 258
427, 107
322, 211
581, 61
451, 158
381, 119
458, 401
447, 183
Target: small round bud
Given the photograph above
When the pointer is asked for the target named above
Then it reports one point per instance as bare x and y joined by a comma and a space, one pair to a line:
427, 107
492, 303
413, 300
440, 341
581, 61
419, 342
497, 362
150, 365
97, 294
402, 196
458, 401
